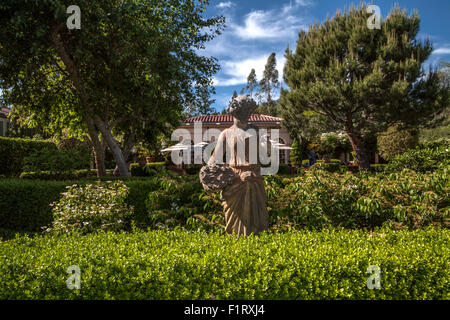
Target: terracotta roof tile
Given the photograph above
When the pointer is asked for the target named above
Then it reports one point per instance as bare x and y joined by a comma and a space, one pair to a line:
229, 119
5, 111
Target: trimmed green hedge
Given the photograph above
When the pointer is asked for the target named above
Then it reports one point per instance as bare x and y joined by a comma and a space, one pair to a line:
150, 169
24, 204
62, 175
328, 166
13, 151
181, 265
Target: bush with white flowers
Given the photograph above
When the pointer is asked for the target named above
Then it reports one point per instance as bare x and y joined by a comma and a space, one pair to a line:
92, 207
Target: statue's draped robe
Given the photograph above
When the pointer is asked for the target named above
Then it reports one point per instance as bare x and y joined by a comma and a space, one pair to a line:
244, 202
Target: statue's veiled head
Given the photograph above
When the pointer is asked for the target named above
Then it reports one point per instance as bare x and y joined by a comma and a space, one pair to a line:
242, 107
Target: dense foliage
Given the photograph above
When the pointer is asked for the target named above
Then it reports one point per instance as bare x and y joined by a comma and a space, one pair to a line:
13, 152
124, 75
56, 160
92, 207
320, 199
150, 169
25, 204
396, 140
183, 265
424, 158
183, 202
61, 175
331, 144
316, 199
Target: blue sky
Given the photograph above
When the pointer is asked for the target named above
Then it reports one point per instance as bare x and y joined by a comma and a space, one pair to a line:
255, 28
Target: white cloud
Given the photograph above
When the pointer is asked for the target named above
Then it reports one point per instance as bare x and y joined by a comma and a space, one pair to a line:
268, 25
227, 4
235, 72
304, 3
442, 51
249, 39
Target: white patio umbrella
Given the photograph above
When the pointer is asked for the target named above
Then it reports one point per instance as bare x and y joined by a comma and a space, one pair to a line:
178, 147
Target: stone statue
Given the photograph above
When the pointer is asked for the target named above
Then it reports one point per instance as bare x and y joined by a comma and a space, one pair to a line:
239, 176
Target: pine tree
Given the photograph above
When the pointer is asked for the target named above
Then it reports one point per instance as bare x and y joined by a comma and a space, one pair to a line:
362, 79
252, 82
235, 95
270, 81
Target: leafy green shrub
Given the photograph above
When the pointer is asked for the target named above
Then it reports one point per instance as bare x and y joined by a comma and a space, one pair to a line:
328, 166
295, 154
396, 140
179, 202
13, 151
92, 207
320, 199
284, 169
317, 199
149, 170
137, 170
56, 160
180, 265
423, 159
25, 204
378, 167
332, 143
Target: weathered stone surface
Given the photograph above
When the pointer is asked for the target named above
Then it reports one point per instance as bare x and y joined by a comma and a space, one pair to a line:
216, 177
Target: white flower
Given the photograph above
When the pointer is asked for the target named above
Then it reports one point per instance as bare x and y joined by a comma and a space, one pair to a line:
161, 225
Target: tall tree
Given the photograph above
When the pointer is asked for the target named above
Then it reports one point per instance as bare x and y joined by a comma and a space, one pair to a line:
361, 79
270, 81
130, 67
235, 95
252, 82
202, 106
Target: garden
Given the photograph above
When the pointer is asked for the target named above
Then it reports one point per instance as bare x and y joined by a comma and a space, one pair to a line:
161, 236
92, 208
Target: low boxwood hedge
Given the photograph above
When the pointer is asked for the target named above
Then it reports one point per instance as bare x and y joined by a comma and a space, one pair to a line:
148, 170
62, 175
13, 151
25, 204
329, 264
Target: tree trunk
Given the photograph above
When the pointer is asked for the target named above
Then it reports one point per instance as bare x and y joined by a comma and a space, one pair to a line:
360, 152
78, 84
100, 161
97, 146
113, 146
129, 144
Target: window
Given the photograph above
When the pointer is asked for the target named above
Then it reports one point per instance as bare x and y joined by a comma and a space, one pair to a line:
1, 127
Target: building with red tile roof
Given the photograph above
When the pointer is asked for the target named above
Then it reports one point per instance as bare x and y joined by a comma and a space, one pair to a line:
213, 125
